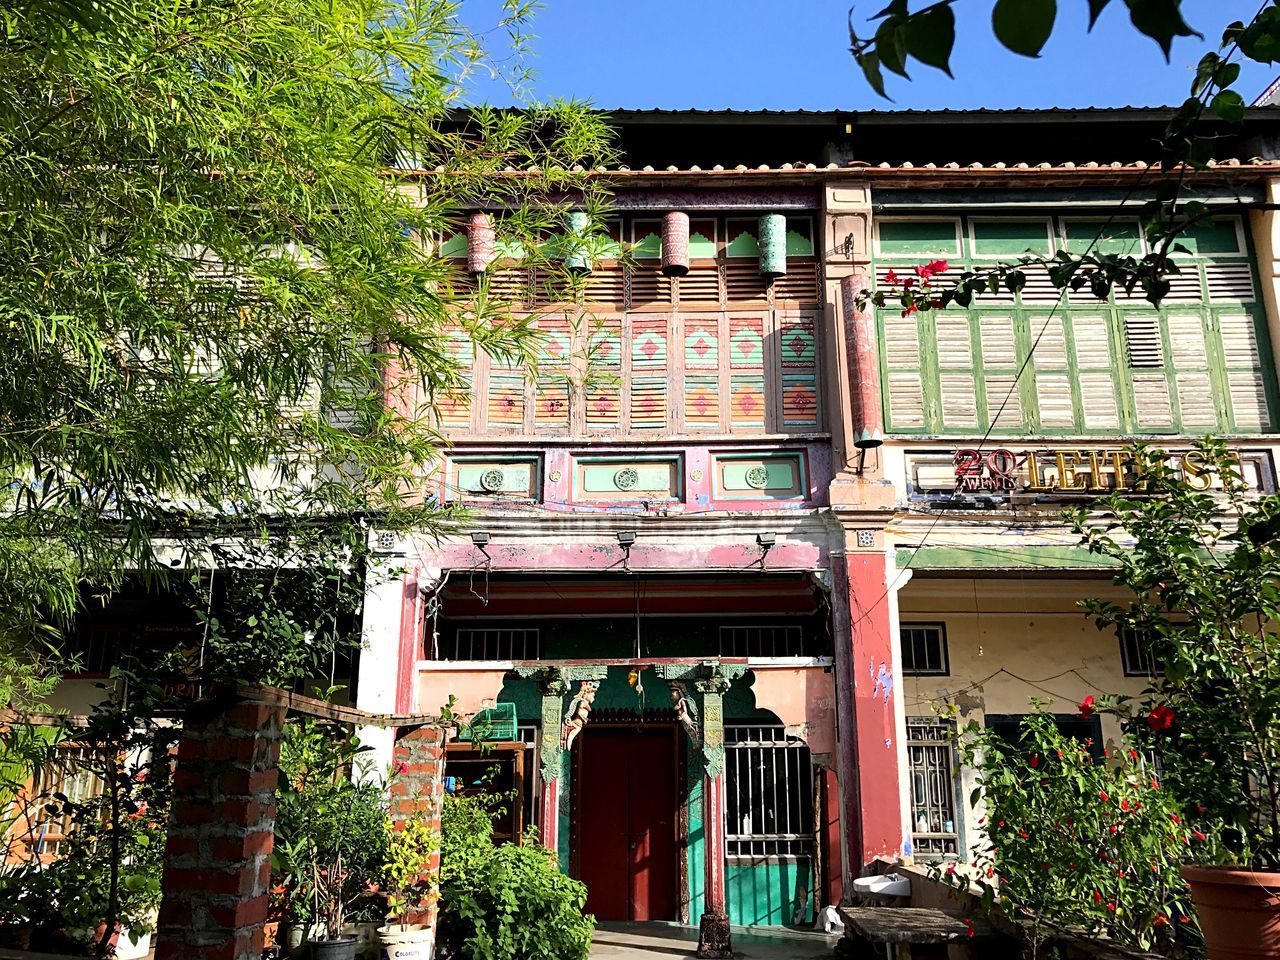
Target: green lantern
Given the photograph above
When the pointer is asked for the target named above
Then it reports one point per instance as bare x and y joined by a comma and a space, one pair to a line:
577, 257
773, 244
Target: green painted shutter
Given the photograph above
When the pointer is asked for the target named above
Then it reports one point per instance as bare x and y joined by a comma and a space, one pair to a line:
903, 371
957, 389
1052, 372
1242, 359
998, 341
1095, 372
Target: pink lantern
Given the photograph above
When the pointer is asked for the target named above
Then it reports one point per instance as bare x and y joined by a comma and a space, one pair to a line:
675, 244
482, 242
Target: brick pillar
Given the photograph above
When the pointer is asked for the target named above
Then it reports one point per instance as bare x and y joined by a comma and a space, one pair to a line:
417, 791
217, 867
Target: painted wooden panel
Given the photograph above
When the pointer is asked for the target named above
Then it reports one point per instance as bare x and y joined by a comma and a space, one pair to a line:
506, 401
770, 892
906, 400
1248, 400
1010, 238
767, 476
747, 401
628, 478
702, 342
918, 237
454, 407
1151, 400
746, 341
702, 401
1196, 407
648, 403
604, 407
494, 478
551, 408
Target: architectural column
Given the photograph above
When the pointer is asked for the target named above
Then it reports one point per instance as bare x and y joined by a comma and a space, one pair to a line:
557, 725
392, 628
870, 709
714, 939
217, 858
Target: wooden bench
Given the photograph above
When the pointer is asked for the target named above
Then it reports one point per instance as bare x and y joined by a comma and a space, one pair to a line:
914, 933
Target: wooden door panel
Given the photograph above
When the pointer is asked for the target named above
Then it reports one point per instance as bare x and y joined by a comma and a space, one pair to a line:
651, 825
602, 817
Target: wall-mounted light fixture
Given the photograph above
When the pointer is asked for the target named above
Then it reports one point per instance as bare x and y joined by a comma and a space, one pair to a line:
765, 542
480, 539
625, 540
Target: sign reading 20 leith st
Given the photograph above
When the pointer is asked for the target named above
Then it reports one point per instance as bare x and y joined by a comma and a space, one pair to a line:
1062, 472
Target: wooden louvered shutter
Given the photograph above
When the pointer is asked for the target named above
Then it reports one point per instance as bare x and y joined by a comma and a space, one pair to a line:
1095, 372
1148, 374
798, 357
1052, 372
746, 404
551, 389
453, 408
957, 387
1192, 381
904, 377
1242, 360
999, 363
649, 343
703, 336
604, 362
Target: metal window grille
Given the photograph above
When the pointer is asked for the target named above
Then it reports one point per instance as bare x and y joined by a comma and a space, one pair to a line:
1134, 657
70, 774
762, 641
768, 793
494, 644
924, 649
931, 755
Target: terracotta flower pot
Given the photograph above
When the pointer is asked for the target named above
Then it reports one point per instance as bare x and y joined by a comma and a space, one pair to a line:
1239, 911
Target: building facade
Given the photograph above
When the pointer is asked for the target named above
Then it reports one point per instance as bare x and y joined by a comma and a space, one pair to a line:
741, 552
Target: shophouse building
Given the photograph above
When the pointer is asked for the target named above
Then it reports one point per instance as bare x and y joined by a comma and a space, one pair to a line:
742, 552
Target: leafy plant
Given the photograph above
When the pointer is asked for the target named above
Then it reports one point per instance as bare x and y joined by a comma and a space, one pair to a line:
409, 850
330, 837
504, 902
1079, 843
1198, 554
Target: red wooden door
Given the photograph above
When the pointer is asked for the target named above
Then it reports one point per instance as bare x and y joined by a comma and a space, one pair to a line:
626, 810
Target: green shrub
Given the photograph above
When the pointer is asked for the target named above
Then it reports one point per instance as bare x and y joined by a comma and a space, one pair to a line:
507, 902
1083, 844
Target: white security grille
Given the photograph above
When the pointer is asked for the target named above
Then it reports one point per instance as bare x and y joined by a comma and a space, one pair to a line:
494, 644
768, 793
762, 641
931, 757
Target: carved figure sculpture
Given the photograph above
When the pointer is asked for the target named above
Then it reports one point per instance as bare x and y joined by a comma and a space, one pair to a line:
686, 712
579, 712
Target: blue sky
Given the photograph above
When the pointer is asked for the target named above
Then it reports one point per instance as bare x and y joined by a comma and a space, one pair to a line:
792, 54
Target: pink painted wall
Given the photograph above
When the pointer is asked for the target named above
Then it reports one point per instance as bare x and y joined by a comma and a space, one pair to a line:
473, 690
804, 699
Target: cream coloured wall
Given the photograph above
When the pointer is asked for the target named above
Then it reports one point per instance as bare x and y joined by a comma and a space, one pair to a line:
1010, 639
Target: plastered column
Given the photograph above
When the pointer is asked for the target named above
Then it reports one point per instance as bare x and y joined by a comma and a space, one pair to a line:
869, 704
1265, 226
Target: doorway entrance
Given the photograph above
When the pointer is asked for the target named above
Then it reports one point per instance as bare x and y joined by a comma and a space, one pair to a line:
625, 810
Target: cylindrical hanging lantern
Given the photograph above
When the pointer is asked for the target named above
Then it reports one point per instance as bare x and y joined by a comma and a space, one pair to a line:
577, 258
773, 244
864, 372
482, 242
675, 244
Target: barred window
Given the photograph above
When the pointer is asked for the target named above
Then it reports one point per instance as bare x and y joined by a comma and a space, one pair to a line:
931, 754
769, 793
470, 643
761, 641
924, 649
1134, 657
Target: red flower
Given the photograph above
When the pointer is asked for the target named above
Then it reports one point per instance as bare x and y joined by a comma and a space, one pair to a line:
1175, 818
1114, 828
1183, 918
1111, 907
1200, 836
909, 309
891, 277
907, 282
1086, 707
1024, 834
1160, 718
1103, 795
1097, 895
1161, 920
402, 767
1124, 805
1133, 754
937, 266
1035, 760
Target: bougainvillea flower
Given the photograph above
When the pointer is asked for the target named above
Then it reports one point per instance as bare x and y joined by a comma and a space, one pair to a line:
1097, 895
1160, 718
1086, 707
402, 767
937, 266
1102, 795
891, 277
1124, 805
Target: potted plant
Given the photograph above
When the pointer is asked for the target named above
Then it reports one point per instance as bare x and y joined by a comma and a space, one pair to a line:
409, 890
330, 842
1198, 553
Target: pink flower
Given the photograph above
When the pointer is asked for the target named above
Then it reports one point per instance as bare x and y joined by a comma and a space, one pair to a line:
402, 767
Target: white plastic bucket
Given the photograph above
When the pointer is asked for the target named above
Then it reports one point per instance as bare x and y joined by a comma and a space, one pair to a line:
414, 941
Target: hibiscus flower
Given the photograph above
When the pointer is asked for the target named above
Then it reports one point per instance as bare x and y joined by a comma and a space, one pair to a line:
1160, 718
1086, 707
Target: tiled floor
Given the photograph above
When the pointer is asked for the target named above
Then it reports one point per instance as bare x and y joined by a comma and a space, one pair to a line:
660, 941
